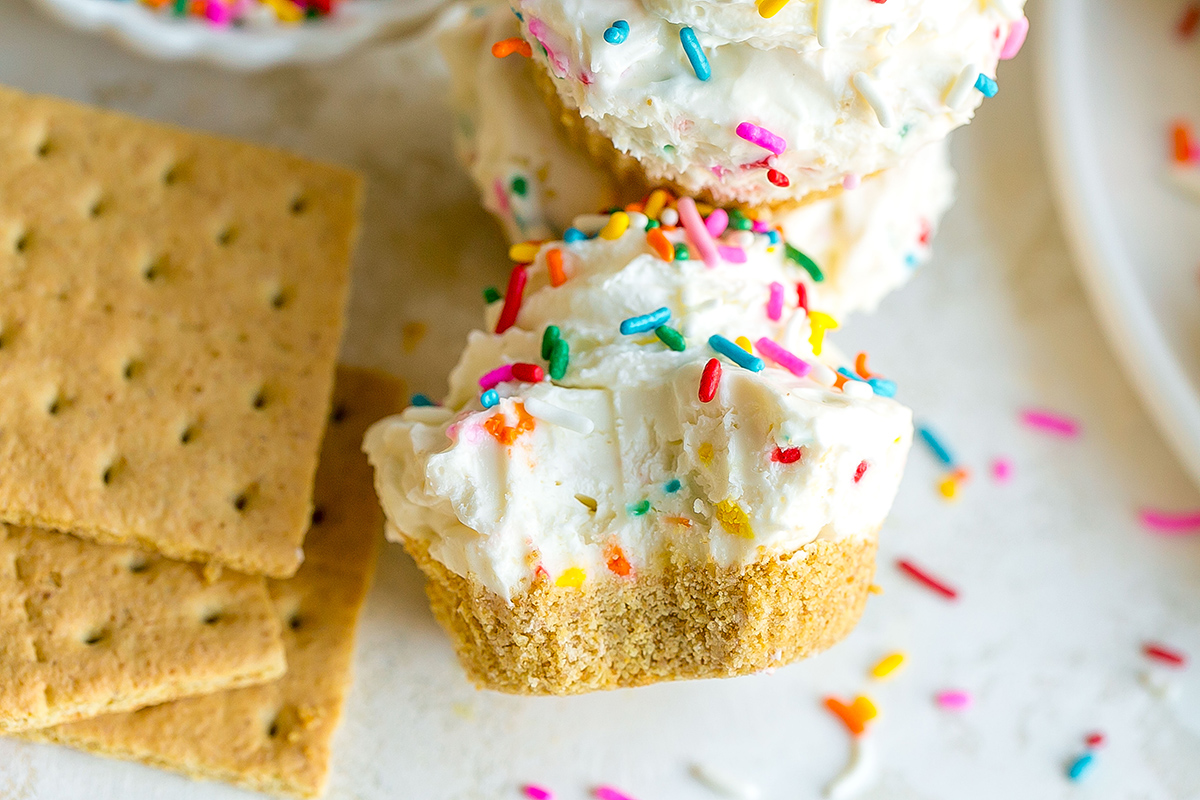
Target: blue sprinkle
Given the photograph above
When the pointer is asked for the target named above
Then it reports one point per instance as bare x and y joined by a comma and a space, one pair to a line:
986, 85
911, 260
1080, 766
573, 235
735, 354
845, 373
617, 32
936, 446
422, 400
883, 387
489, 398
673, 486
695, 54
773, 236
646, 322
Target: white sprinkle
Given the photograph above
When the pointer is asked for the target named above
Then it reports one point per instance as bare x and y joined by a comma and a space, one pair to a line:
1186, 180
822, 22
426, 415
870, 92
555, 415
859, 772
821, 374
723, 784
742, 239
962, 87
590, 224
797, 328
637, 221
857, 389
669, 216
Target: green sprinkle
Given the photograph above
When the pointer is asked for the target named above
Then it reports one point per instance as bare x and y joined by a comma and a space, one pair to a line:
180, 8
809, 265
668, 148
681, 252
671, 338
904, 130
651, 224
638, 509
520, 186
560, 355
739, 221
491, 294
673, 486
551, 336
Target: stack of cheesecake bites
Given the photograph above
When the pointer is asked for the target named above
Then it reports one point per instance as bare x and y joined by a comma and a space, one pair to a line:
188, 524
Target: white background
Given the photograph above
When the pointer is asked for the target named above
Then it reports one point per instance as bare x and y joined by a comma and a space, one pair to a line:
1059, 585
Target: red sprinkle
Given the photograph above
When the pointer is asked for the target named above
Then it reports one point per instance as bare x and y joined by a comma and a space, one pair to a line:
710, 380
1189, 21
802, 296
512, 298
1094, 739
921, 576
926, 232
1164, 654
778, 178
862, 470
528, 373
788, 456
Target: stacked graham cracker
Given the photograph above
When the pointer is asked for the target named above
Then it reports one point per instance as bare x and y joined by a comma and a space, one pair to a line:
170, 311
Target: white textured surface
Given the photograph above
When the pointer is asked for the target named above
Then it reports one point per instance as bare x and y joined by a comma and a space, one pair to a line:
1059, 585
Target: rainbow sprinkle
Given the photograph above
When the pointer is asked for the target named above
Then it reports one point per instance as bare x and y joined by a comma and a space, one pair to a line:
646, 322
695, 54
617, 32
762, 137
735, 354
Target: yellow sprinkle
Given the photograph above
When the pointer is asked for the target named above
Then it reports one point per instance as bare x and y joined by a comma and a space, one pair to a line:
744, 343
819, 322
616, 225
887, 665
864, 709
286, 10
704, 208
656, 203
734, 520
706, 453
875, 588
948, 488
524, 252
571, 578
769, 8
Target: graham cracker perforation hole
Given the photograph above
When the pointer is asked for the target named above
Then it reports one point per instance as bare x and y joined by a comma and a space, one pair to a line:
339, 413
138, 564
299, 205
173, 174
260, 399
245, 498
96, 636
280, 298
318, 515
23, 242
99, 207
189, 434
133, 368
156, 269
295, 622
45, 147
112, 472
213, 617
227, 236
56, 404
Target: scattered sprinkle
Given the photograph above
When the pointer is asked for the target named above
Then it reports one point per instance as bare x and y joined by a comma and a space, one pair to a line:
788, 455
924, 578
717, 222
491, 294
733, 519
554, 267
960, 90
854, 716
783, 357
866, 86
673, 486
638, 509
948, 487
724, 784
490, 398
762, 137
537, 792
560, 359
681, 252
556, 415
695, 53
655, 203
775, 301
614, 559
1095, 739
571, 578
802, 297
769, 8
954, 700
1015, 39
777, 178
512, 298
617, 32
887, 665
646, 322
1164, 654
860, 471
1171, 523
528, 373
851, 182
549, 337
524, 252
618, 223
572, 235
1051, 422
823, 22
671, 338
935, 445
660, 244
696, 231
986, 85
506, 47
735, 354
797, 257
498, 375
422, 400
858, 773
1002, 469
710, 380
818, 323
1080, 766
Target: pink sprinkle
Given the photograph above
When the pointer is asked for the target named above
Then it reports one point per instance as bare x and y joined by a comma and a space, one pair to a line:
954, 700
697, 234
760, 226
717, 222
538, 793
850, 182
501, 196
1002, 469
609, 793
1050, 422
784, 358
775, 302
1094, 739
496, 376
734, 255
1171, 524
761, 137
539, 31
218, 13
1016, 38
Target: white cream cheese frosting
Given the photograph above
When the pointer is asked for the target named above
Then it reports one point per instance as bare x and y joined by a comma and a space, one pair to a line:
867, 242
846, 88
616, 463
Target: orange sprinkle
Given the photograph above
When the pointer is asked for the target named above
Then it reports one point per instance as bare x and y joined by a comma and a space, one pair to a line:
846, 714
616, 561
860, 366
840, 381
684, 521
634, 208
497, 425
658, 242
554, 265
506, 47
1181, 136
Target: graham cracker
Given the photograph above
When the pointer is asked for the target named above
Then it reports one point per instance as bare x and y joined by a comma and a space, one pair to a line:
684, 621
173, 304
87, 629
277, 737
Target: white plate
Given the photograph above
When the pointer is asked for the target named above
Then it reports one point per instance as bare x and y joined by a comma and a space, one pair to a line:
1113, 76
159, 35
